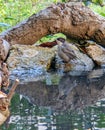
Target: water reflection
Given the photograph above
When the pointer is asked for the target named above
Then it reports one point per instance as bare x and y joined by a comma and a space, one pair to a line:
29, 117
70, 102
72, 92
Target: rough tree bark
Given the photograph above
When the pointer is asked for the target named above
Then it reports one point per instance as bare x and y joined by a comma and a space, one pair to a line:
72, 19
4, 73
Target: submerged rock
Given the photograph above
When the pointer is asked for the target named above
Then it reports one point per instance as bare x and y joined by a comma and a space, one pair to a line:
73, 58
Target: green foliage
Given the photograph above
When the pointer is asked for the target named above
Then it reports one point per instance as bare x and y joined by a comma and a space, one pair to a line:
51, 38
64, 0
100, 2
98, 9
14, 11
4, 25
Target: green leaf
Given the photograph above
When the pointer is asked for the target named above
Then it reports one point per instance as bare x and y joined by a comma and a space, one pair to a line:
9, 17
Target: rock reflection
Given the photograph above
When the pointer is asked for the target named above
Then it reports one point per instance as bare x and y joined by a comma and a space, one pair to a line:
72, 92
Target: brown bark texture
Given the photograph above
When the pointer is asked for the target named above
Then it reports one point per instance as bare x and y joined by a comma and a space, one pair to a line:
4, 73
72, 19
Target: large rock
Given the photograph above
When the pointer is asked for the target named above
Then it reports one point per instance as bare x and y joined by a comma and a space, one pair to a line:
97, 53
26, 62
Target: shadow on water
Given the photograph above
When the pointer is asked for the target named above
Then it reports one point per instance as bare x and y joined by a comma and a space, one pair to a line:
74, 101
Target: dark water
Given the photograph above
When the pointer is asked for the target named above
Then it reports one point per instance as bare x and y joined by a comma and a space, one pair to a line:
73, 101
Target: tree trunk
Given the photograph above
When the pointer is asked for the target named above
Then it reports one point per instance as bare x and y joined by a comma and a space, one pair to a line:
72, 19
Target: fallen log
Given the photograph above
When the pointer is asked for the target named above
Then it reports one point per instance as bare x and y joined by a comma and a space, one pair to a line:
72, 19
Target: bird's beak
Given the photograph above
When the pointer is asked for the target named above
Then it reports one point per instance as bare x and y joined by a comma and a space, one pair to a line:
59, 42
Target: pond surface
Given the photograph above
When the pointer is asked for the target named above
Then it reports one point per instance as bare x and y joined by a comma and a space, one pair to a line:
71, 101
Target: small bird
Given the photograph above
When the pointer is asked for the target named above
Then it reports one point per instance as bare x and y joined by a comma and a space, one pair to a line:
65, 51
